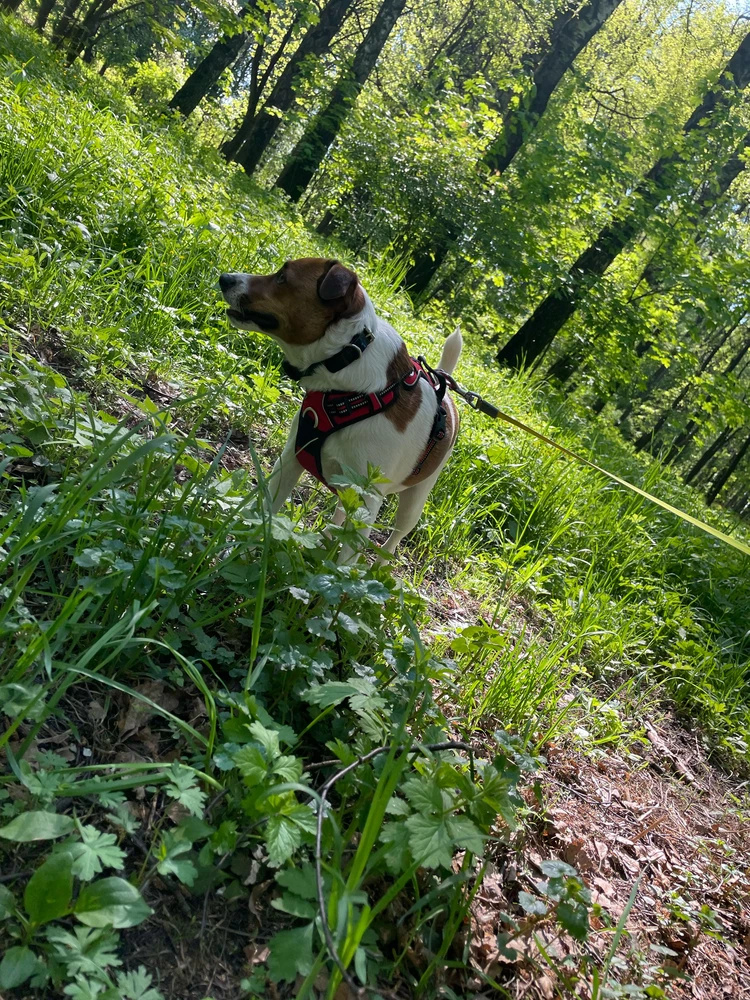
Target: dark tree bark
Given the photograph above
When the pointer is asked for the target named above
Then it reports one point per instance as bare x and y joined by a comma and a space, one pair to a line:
648, 436
571, 38
711, 192
568, 38
720, 481
42, 15
708, 454
10, 5
207, 73
256, 132
66, 22
83, 35
540, 329
320, 135
684, 438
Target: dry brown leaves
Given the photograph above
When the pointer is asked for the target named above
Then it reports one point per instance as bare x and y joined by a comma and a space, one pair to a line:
667, 818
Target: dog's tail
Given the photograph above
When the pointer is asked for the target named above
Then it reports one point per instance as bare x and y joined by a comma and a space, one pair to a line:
451, 351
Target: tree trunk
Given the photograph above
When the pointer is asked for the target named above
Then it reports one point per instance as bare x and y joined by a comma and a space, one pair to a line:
711, 192
649, 436
571, 39
540, 329
255, 133
208, 71
65, 22
320, 135
10, 5
683, 439
83, 35
725, 475
42, 15
567, 41
708, 454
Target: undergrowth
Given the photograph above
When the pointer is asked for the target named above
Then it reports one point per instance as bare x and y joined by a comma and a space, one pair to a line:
141, 580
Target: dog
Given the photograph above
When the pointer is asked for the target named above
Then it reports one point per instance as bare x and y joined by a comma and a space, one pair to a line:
367, 401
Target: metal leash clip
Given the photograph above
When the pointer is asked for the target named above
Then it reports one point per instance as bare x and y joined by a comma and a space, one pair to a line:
477, 402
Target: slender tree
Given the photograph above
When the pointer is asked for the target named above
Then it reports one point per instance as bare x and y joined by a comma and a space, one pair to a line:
42, 15
309, 152
711, 191
716, 446
540, 329
257, 130
570, 34
65, 23
685, 437
207, 73
82, 35
719, 482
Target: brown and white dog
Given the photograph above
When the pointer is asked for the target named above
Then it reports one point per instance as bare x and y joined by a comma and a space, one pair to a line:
334, 343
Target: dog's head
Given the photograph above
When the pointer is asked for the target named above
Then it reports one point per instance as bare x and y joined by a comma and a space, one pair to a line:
298, 303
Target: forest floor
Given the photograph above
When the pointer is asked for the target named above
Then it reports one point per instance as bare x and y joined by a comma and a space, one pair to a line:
658, 817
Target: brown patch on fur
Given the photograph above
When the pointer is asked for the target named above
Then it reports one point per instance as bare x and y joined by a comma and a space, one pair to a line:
442, 448
404, 409
291, 295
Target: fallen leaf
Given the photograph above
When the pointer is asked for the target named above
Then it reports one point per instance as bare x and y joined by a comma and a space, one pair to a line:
139, 712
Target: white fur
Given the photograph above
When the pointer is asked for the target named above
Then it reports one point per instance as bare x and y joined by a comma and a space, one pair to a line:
376, 440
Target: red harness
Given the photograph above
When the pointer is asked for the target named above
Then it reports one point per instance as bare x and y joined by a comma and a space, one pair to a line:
324, 413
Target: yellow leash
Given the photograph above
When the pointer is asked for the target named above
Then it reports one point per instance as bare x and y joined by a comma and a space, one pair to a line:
478, 403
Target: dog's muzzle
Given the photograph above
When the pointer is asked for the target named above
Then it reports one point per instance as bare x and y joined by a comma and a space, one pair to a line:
235, 289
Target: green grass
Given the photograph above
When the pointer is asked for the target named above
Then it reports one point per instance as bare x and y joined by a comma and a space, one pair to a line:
133, 551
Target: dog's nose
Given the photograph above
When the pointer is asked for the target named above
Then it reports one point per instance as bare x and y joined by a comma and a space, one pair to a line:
227, 281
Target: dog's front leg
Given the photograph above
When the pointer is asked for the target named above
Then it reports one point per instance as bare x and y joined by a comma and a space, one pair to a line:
285, 473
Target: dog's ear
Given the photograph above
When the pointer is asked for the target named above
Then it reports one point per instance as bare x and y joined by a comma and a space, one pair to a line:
340, 287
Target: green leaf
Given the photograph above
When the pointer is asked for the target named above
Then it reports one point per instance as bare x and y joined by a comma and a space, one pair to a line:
532, 904
289, 903
429, 841
7, 903
283, 837
300, 881
18, 965
137, 985
111, 902
465, 834
397, 807
37, 825
183, 786
268, 739
173, 844
291, 954
50, 889
574, 917
287, 768
319, 627
558, 869
426, 796
251, 764
330, 693
95, 852
25, 702
84, 989
183, 869
87, 951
